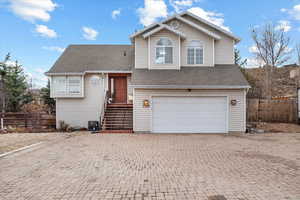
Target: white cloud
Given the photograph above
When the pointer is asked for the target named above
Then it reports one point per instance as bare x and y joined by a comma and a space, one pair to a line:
213, 17
44, 31
40, 70
54, 48
288, 50
116, 13
283, 25
153, 10
89, 33
253, 49
32, 10
283, 10
180, 5
253, 63
36, 77
294, 12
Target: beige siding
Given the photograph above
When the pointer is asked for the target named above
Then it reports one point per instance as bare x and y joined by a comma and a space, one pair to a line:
141, 53
142, 120
194, 34
175, 41
224, 48
224, 51
215, 51
77, 112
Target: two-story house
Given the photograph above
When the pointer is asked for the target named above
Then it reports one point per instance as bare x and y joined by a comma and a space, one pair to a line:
178, 76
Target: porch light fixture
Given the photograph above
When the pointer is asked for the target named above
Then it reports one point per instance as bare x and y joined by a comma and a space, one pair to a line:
233, 102
146, 103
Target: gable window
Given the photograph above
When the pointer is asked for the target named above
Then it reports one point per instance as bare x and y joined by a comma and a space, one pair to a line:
164, 51
195, 53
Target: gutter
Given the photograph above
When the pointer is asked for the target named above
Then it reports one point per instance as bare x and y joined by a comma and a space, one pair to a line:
190, 87
86, 72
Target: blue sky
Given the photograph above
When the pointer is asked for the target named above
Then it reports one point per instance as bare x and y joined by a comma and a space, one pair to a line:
35, 32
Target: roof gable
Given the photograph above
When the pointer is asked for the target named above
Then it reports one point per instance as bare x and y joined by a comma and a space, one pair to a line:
179, 17
161, 27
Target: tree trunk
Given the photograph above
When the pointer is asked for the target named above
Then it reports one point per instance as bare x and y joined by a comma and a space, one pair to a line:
268, 82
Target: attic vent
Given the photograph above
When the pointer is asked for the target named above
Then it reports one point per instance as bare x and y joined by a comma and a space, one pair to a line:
124, 53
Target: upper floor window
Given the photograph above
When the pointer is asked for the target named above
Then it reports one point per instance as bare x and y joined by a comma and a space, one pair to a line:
195, 53
164, 51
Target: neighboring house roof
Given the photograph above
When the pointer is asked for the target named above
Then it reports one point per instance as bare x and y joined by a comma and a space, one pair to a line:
98, 58
179, 17
218, 77
161, 27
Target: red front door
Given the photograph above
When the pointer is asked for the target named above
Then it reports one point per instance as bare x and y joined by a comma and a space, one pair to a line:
118, 89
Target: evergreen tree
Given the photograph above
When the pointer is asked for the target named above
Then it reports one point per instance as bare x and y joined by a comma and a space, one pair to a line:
238, 59
16, 87
3, 71
50, 102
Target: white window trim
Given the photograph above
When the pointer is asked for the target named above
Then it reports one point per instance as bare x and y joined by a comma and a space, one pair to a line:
186, 49
67, 93
156, 46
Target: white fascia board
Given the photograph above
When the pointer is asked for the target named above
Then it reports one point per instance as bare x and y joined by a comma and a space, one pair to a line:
86, 72
64, 73
190, 87
161, 27
207, 32
237, 39
110, 72
151, 26
143, 30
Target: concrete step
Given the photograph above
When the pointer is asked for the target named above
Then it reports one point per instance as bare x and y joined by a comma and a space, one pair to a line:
116, 131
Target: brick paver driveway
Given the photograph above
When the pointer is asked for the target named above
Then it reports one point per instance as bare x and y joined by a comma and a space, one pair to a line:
148, 166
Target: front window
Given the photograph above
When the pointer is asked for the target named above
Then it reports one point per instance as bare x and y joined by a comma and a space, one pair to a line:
67, 86
164, 51
195, 53
74, 85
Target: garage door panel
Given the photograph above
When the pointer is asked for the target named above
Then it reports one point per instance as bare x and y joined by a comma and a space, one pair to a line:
189, 114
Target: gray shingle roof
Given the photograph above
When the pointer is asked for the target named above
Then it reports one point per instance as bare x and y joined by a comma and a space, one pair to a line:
220, 76
81, 58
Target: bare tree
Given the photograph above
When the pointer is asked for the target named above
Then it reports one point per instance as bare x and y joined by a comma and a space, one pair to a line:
298, 53
272, 45
272, 48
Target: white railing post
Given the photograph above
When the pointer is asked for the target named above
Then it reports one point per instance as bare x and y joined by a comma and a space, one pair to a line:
2, 123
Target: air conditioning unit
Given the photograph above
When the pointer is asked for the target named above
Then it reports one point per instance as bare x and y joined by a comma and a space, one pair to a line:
93, 126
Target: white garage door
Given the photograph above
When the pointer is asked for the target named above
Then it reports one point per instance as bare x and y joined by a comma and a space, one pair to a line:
189, 115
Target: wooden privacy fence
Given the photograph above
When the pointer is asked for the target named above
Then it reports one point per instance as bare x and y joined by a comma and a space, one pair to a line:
28, 120
280, 111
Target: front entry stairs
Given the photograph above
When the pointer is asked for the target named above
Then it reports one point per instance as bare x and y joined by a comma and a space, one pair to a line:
118, 118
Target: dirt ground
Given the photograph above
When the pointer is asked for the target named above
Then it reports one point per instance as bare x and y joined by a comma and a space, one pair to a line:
278, 127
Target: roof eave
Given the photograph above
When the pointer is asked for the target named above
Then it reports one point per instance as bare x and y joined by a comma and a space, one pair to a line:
161, 27
191, 86
237, 39
87, 72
